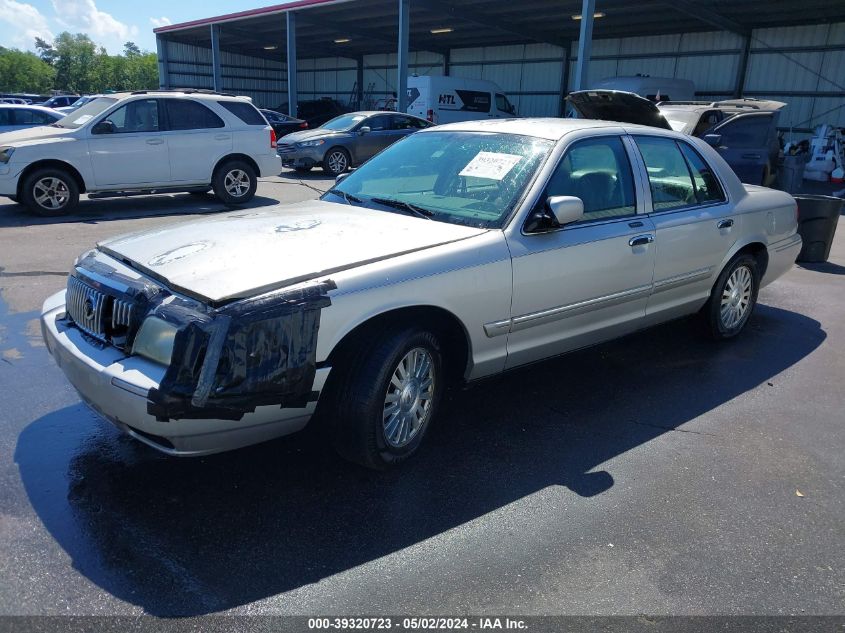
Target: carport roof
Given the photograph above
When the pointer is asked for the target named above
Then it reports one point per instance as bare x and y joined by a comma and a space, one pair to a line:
371, 26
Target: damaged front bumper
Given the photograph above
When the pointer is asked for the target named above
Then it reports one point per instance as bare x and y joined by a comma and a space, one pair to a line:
118, 386
237, 373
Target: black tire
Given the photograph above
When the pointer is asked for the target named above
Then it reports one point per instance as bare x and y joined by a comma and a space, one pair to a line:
724, 324
225, 187
50, 186
302, 170
336, 161
358, 405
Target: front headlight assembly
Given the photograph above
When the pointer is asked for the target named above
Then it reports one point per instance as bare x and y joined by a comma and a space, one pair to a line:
154, 340
6, 154
314, 143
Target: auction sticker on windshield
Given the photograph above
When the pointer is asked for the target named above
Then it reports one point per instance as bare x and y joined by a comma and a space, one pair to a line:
490, 165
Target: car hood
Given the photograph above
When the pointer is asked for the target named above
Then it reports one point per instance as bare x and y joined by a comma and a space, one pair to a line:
32, 134
310, 135
617, 105
245, 253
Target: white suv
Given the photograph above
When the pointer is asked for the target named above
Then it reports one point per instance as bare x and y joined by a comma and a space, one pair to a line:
140, 142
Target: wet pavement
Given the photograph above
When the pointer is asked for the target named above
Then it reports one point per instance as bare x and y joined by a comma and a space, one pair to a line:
657, 474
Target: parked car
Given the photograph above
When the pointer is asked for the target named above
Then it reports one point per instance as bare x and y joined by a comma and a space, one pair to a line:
347, 140
60, 101
442, 99
140, 142
745, 135
14, 100
455, 254
283, 124
316, 111
19, 117
78, 104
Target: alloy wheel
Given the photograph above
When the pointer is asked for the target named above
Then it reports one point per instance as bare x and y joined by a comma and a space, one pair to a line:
236, 183
408, 401
51, 193
736, 298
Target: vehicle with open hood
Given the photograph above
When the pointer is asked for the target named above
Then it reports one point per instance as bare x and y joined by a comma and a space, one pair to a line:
743, 131
455, 254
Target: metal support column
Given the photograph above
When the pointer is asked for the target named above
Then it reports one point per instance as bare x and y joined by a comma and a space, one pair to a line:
291, 62
359, 81
585, 44
163, 64
216, 68
402, 58
564, 80
447, 61
742, 66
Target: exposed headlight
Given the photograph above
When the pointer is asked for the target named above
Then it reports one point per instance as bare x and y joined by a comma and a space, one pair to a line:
313, 143
154, 340
6, 154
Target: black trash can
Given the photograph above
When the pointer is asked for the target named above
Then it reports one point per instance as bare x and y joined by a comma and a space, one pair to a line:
817, 218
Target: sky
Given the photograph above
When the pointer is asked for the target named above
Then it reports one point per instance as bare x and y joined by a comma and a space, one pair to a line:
110, 23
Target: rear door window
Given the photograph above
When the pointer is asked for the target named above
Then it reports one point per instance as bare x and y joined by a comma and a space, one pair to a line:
707, 187
668, 175
184, 114
745, 131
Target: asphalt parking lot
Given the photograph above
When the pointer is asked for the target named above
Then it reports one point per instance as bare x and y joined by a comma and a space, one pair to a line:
659, 474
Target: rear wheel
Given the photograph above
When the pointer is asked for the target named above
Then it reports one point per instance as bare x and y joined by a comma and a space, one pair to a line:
733, 298
50, 192
388, 394
234, 182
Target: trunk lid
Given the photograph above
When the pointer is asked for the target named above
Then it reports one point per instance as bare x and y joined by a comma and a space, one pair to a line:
616, 105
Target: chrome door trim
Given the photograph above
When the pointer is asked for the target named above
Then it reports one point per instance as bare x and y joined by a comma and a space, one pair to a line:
680, 280
548, 315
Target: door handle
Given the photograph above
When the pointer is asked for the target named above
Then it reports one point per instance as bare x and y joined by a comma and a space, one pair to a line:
154, 141
635, 225
724, 224
641, 240
752, 156
222, 137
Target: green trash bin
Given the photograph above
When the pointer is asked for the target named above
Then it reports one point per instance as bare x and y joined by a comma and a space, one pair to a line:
817, 219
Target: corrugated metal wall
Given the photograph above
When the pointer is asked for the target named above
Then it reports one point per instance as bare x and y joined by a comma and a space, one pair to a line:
800, 65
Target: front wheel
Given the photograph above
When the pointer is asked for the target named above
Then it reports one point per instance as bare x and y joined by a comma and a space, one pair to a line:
732, 298
50, 192
234, 182
388, 395
336, 161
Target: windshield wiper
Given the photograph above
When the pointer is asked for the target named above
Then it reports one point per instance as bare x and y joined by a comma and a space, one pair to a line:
55, 125
348, 197
413, 209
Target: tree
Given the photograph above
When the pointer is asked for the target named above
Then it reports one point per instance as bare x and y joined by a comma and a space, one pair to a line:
74, 64
24, 72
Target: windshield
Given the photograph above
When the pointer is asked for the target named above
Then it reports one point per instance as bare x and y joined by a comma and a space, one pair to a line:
343, 123
678, 119
81, 116
468, 178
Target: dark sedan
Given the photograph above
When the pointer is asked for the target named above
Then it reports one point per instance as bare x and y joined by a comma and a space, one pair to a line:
283, 124
346, 141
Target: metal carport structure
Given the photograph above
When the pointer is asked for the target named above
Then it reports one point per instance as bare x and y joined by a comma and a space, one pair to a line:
352, 29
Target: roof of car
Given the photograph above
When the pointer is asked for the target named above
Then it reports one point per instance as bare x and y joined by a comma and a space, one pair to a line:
194, 94
548, 128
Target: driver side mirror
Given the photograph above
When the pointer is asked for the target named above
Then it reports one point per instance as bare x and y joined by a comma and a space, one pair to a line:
555, 213
714, 140
104, 127
364, 130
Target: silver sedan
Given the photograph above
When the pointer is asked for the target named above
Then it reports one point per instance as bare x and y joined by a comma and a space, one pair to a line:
458, 253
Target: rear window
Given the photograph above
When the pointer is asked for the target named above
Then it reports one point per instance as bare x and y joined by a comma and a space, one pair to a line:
246, 112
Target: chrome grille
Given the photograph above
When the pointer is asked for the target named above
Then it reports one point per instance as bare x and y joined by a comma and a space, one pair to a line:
121, 314
284, 148
86, 306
